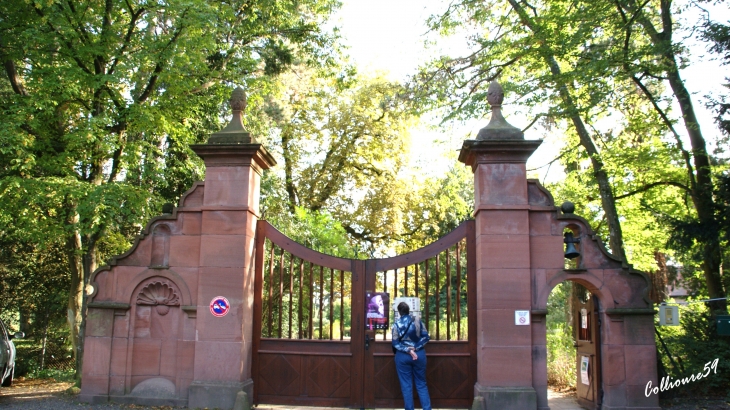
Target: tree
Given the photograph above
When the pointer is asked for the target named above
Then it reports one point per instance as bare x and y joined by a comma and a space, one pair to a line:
102, 98
583, 59
533, 49
655, 23
345, 143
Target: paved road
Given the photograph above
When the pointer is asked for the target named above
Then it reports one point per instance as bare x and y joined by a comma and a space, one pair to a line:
49, 395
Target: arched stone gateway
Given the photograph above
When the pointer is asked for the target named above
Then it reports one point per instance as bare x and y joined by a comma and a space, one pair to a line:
183, 317
520, 259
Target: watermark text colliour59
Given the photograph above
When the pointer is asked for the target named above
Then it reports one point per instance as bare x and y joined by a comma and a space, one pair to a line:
667, 383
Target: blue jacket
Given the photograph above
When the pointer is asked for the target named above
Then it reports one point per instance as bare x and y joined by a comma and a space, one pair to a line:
415, 336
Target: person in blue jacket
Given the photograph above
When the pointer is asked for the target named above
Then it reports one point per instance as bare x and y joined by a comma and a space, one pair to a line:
409, 340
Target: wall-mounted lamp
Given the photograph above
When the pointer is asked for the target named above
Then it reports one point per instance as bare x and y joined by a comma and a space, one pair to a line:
570, 251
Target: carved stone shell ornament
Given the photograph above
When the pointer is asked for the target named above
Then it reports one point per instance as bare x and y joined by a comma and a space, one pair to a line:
159, 294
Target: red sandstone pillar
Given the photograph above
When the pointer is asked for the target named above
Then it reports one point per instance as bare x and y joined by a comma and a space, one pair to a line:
504, 349
223, 345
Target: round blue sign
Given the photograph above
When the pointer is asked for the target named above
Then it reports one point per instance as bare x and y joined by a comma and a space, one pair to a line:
219, 306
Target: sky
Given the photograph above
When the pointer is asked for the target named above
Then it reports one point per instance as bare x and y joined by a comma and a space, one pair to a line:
388, 36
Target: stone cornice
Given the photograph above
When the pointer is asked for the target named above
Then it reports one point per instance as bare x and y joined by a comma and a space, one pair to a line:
497, 151
631, 311
109, 305
232, 155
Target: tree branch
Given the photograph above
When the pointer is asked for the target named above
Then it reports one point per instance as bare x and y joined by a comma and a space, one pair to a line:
128, 36
14, 78
668, 123
116, 157
159, 66
653, 185
556, 158
68, 45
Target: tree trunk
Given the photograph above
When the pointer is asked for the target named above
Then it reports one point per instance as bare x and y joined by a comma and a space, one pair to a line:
24, 320
608, 201
90, 265
291, 190
702, 198
75, 295
82, 261
659, 279
702, 195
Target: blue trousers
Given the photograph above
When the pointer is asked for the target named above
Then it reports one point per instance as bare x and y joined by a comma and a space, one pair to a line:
409, 369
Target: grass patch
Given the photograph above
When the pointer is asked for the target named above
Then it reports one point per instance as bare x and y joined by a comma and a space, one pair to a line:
57, 375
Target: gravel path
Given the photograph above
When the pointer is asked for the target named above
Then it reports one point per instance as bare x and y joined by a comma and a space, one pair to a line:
50, 395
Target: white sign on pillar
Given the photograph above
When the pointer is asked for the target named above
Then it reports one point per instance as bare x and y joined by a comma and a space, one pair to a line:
414, 304
522, 317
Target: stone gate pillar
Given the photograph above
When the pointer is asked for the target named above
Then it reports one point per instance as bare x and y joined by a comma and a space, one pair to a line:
504, 350
229, 212
151, 335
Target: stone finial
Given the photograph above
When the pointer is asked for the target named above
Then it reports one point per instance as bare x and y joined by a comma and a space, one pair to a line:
498, 128
238, 99
234, 132
495, 94
567, 207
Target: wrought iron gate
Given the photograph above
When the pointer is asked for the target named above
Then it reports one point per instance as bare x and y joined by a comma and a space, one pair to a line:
309, 344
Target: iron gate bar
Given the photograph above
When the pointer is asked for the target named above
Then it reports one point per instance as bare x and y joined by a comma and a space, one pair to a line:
271, 288
458, 292
416, 280
438, 305
301, 288
281, 288
395, 283
321, 294
332, 296
311, 300
426, 273
406, 281
291, 290
448, 293
342, 304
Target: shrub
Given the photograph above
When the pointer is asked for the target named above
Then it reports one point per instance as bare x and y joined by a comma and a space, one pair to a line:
561, 357
561, 361
691, 345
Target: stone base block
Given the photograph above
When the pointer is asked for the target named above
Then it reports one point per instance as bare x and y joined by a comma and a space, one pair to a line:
506, 398
242, 401
629, 408
217, 394
149, 401
93, 399
144, 401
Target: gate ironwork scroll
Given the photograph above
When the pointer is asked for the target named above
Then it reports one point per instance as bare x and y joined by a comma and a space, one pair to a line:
309, 344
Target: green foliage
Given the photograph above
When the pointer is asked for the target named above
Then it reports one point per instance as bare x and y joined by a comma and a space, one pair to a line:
57, 375
32, 358
100, 102
561, 362
630, 164
318, 231
604, 74
561, 357
341, 133
693, 344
